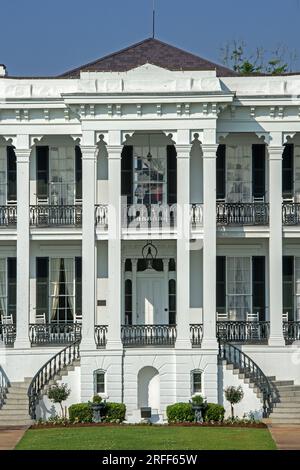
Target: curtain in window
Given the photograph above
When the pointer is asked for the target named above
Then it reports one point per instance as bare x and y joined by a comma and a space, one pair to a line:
238, 173
3, 159
62, 175
150, 175
239, 297
297, 287
69, 281
3, 293
297, 173
54, 287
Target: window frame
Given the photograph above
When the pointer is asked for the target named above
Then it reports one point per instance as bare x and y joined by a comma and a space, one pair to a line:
193, 373
96, 373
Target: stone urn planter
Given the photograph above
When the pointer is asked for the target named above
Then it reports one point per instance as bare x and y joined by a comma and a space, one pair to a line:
198, 406
98, 406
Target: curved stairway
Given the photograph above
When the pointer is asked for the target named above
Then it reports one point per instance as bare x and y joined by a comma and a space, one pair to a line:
14, 411
287, 410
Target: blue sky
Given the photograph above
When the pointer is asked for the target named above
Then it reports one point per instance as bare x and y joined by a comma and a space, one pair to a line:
48, 37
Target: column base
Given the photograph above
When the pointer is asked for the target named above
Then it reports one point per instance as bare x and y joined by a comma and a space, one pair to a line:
22, 343
114, 344
276, 341
183, 343
209, 343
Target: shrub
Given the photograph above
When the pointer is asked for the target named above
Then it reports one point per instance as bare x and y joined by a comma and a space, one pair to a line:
58, 394
197, 400
180, 413
114, 412
97, 399
214, 412
80, 413
234, 395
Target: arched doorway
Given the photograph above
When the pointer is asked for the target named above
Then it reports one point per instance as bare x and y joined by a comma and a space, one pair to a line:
149, 388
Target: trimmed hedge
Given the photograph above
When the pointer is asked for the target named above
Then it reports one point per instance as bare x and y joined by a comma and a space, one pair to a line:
180, 413
80, 413
214, 412
183, 413
115, 412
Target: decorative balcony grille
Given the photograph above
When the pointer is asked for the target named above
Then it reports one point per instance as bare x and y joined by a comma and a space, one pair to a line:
101, 216
54, 333
101, 335
196, 214
148, 335
256, 213
54, 215
4, 385
7, 334
153, 216
8, 216
196, 331
291, 213
291, 331
250, 332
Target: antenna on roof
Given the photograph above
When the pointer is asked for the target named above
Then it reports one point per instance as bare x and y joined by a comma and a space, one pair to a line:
153, 19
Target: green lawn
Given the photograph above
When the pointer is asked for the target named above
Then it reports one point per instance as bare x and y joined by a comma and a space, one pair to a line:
146, 438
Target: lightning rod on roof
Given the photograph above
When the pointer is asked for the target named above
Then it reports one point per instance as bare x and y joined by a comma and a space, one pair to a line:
153, 19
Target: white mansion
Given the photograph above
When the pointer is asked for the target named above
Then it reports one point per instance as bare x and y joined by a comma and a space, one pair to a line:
150, 235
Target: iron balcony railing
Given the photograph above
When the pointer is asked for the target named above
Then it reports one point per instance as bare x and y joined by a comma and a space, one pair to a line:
154, 216
291, 213
56, 215
247, 332
291, 331
4, 385
196, 334
148, 335
101, 216
54, 333
256, 213
101, 335
7, 334
196, 214
8, 215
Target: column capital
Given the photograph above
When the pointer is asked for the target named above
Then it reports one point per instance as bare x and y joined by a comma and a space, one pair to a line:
209, 150
114, 151
183, 150
275, 152
89, 152
23, 155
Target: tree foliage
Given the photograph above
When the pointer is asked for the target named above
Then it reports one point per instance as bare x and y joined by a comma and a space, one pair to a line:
234, 395
260, 61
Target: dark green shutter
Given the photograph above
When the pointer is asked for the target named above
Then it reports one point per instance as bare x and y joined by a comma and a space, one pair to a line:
288, 171
78, 285
221, 284
259, 286
42, 286
12, 286
288, 285
11, 174
171, 174
127, 173
42, 171
258, 170
78, 172
221, 172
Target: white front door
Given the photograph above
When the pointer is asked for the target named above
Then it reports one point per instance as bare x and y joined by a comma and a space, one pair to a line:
150, 300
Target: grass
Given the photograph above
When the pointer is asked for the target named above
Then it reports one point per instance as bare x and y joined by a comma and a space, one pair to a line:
147, 438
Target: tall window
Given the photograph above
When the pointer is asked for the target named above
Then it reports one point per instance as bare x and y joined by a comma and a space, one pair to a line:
3, 286
99, 381
196, 379
239, 287
128, 302
149, 175
62, 175
238, 173
8, 285
3, 185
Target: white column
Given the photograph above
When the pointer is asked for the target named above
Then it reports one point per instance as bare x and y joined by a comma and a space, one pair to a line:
209, 246
275, 245
183, 243
23, 244
89, 266
114, 150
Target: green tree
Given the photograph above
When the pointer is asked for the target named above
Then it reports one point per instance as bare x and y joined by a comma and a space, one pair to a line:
58, 394
234, 395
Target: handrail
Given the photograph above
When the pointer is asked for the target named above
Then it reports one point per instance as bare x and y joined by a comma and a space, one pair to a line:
4, 384
47, 372
238, 358
8, 215
242, 213
45, 215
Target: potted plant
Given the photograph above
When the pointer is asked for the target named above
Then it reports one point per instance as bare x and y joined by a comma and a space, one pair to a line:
98, 406
234, 395
199, 406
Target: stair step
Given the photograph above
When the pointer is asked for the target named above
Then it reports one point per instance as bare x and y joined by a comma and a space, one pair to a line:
280, 383
285, 412
15, 406
14, 414
288, 404
272, 378
285, 421
289, 393
288, 388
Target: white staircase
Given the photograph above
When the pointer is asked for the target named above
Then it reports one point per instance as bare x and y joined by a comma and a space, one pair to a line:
287, 410
14, 411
